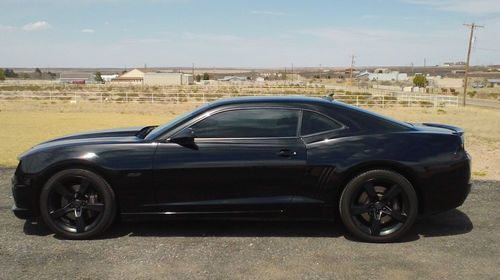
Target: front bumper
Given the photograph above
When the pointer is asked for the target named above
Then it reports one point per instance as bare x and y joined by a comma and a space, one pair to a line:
25, 202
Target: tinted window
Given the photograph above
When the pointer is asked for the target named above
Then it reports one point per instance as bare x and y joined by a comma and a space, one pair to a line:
249, 123
314, 123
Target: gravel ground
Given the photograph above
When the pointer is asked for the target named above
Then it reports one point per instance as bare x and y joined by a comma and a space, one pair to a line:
459, 244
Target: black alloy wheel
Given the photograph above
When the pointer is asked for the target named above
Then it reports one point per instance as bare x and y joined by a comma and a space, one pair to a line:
378, 206
77, 204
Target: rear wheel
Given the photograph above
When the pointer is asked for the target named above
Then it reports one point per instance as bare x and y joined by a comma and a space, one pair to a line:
378, 206
77, 204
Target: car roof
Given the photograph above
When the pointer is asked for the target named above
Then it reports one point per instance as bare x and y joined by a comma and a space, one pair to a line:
269, 99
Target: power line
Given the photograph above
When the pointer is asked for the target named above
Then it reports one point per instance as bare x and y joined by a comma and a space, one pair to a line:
472, 27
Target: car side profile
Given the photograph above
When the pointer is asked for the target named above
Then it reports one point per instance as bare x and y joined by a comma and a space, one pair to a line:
260, 158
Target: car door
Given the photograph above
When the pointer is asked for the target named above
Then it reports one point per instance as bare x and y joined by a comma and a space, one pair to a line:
244, 160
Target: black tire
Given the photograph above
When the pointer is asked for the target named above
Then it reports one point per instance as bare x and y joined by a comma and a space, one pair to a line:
77, 204
378, 206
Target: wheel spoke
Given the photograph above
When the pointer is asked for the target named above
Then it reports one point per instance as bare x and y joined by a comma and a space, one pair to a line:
96, 207
63, 191
84, 185
359, 209
370, 190
375, 226
391, 193
397, 215
61, 212
80, 224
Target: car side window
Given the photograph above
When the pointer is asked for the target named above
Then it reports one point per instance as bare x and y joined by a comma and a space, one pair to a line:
315, 123
249, 123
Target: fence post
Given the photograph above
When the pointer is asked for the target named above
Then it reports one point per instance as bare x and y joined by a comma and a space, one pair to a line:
357, 100
152, 94
177, 102
126, 97
101, 96
383, 101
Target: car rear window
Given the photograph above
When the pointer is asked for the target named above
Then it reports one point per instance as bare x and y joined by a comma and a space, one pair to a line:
313, 123
249, 123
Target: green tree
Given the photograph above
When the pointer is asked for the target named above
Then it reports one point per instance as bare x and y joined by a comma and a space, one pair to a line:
2, 75
9, 73
206, 76
38, 72
98, 77
420, 81
198, 78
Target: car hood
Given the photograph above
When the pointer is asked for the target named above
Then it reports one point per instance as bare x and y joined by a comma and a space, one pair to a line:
117, 135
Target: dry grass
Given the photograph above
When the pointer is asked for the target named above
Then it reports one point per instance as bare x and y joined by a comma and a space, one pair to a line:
26, 124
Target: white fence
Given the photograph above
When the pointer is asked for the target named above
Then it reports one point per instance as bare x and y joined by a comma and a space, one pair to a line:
177, 97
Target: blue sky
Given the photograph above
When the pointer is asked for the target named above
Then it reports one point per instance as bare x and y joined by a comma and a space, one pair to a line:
237, 33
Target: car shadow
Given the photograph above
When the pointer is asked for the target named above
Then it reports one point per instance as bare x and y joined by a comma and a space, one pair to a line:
453, 222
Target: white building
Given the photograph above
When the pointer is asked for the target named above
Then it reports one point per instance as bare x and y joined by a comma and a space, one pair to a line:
108, 78
391, 76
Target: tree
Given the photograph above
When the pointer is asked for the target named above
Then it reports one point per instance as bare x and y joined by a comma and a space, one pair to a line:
9, 73
38, 72
206, 76
2, 75
420, 81
198, 78
98, 77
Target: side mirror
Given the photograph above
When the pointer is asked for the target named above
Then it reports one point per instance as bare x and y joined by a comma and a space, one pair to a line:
185, 138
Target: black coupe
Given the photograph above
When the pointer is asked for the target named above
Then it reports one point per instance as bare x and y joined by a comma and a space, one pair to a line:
249, 158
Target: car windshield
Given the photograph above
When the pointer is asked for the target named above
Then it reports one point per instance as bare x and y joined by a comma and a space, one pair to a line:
158, 131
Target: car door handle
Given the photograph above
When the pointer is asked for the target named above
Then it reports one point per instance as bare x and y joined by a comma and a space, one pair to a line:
286, 153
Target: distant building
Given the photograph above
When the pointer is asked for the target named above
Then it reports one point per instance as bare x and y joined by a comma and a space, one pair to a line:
494, 82
391, 76
440, 82
233, 79
108, 78
133, 77
382, 71
76, 78
165, 78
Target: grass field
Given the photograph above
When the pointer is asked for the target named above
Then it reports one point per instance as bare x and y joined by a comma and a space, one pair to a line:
26, 124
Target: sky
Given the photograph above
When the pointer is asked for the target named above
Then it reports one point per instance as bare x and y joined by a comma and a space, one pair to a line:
251, 34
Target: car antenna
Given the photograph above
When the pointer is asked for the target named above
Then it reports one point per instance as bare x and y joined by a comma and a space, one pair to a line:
329, 97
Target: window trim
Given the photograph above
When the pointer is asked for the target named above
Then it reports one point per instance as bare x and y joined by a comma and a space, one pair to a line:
209, 114
342, 126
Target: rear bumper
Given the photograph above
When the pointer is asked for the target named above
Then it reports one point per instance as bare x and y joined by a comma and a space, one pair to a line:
448, 189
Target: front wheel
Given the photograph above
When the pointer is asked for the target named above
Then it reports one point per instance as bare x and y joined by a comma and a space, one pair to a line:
77, 204
378, 206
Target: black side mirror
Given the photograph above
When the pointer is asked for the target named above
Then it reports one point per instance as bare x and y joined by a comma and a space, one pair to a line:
185, 138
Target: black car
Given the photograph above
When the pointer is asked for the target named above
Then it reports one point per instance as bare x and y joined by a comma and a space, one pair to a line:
249, 158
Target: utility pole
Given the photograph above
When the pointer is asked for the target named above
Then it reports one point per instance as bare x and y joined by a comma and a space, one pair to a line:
352, 66
472, 27
292, 72
192, 70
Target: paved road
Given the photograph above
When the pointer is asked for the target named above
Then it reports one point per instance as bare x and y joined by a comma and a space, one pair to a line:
482, 103
459, 244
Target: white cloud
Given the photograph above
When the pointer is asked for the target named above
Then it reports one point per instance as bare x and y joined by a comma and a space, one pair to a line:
463, 6
37, 26
268, 13
88, 30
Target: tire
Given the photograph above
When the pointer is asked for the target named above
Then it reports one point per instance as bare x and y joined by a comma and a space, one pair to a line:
378, 206
77, 204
